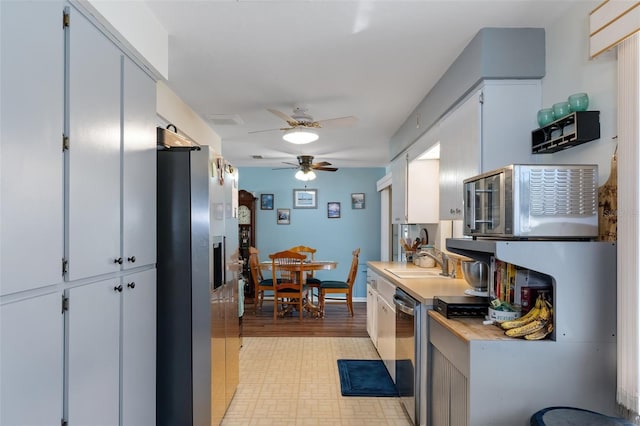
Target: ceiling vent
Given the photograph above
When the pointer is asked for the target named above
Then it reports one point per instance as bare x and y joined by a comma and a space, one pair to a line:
225, 119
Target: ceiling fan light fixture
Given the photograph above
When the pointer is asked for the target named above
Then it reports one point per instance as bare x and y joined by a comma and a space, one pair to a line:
300, 136
305, 175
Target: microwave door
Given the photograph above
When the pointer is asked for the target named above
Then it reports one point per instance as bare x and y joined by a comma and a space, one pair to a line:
484, 211
494, 204
470, 207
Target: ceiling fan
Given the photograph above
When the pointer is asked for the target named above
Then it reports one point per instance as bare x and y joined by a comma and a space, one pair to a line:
301, 125
306, 167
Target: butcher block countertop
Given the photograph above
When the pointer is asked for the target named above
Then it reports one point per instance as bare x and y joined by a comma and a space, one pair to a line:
469, 329
424, 289
421, 289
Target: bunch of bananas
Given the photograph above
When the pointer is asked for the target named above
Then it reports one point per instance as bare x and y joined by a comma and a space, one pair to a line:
535, 324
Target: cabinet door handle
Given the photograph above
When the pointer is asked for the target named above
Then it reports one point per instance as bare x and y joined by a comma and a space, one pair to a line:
118, 288
132, 259
132, 284
118, 260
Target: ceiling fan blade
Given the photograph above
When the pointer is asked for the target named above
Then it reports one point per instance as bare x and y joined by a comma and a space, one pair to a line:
283, 168
321, 164
338, 122
271, 130
282, 115
325, 169
266, 130
293, 164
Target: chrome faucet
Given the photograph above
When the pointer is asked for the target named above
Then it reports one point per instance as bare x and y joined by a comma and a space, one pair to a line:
443, 261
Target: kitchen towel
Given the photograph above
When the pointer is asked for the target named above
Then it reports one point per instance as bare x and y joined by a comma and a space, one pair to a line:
365, 378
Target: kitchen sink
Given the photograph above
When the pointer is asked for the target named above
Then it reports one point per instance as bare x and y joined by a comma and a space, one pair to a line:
412, 273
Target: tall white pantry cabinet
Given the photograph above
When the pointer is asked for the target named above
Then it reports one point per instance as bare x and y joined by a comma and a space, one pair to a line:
77, 221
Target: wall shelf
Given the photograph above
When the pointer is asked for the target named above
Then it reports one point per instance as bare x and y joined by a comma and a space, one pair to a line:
572, 130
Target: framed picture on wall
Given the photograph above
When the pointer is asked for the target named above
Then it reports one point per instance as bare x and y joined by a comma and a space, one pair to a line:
357, 200
305, 198
266, 201
333, 210
283, 217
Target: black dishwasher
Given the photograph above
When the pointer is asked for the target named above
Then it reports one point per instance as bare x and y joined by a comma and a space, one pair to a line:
410, 323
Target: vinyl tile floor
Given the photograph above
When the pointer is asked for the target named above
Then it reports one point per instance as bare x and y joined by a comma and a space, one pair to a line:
294, 381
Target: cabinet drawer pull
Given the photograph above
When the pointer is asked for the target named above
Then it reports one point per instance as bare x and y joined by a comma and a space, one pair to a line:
118, 288
132, 284
118, 260
132, 259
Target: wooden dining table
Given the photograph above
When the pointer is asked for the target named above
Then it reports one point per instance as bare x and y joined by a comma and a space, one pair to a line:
300, 271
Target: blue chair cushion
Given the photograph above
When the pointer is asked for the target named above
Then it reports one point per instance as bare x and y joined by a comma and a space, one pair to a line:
291, 290
313, 280
267, 282
568, 416
333, 284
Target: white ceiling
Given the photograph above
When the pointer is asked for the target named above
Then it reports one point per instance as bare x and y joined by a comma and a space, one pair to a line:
375, 60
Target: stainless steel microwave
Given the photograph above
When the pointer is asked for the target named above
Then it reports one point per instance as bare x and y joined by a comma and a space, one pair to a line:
533, 201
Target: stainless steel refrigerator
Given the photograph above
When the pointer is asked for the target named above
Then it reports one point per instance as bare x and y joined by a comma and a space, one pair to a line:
197, 345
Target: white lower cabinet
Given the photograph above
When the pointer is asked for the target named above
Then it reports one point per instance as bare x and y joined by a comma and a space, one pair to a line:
372, 306
31, 361
372, 314
470, 370
387, 335
111, 351
93, 337
138, 351
386, 324
450, 391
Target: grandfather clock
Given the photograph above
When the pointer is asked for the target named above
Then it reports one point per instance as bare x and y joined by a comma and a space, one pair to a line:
247, 234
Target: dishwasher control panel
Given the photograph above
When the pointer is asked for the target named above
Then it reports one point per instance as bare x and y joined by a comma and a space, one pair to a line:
461, 306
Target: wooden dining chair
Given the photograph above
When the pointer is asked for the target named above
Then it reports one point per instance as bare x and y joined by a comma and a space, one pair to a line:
312, 282
341, 287
259, 282
286, 270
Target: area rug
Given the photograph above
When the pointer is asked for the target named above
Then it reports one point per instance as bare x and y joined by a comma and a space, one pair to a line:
365, 378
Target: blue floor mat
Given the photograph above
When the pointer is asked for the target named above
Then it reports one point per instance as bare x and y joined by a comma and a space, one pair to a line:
365, 378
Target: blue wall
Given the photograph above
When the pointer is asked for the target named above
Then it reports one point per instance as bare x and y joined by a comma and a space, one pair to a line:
334, 239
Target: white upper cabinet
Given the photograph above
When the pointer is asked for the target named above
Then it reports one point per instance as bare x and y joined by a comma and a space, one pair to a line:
490, 129
423, 191
94, 153
31, 182
111, 159
459, 154
139, 168
423, 184
399, 170
415, 184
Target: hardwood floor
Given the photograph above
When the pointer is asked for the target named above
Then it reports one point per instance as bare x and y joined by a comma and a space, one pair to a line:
336, 323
